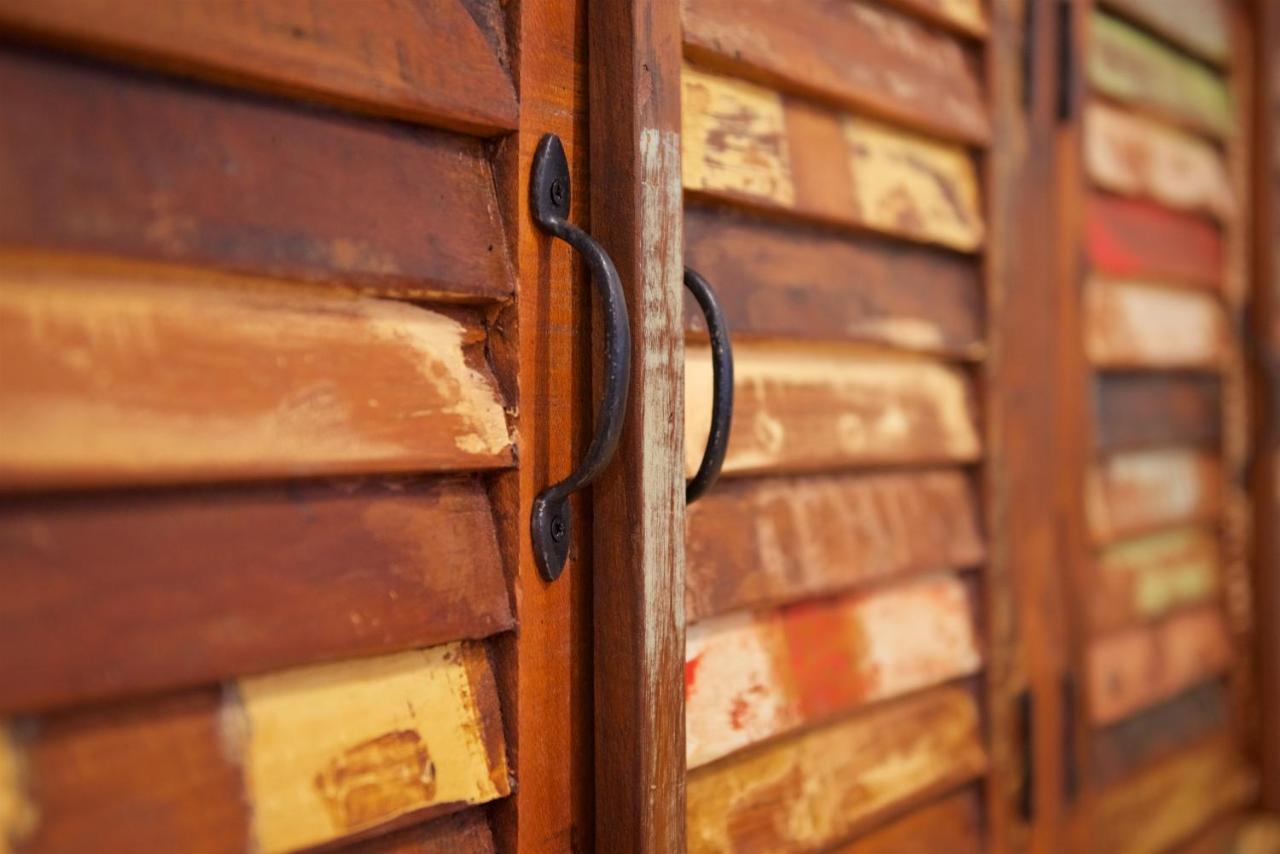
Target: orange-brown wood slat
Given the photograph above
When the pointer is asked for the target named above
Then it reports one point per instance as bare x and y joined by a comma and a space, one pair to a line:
1201, 26
440, 63
963, 16
1140, 410
466, 832
1137, 239
1125, 747
1138, 492
952, 823
1245, 832
1141, 579
1135, 325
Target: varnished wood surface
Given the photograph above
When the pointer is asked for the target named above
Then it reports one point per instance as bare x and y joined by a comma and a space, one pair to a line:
1135, 325
1201, 26
1123, 748
1140, 579
952, 823
1135, 410
1137, 239
466, 832
964, 16
1138, 492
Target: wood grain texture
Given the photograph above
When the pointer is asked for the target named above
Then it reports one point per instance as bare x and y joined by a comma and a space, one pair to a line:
1124, 747
754, 146
1200, 26
1136, 410
850, 53
95, 161
775, 540
1136, 239
430, 62
118, 594
797, 282
1141, 579
962, 16
813, 408
1141, 491
1136, 325
952, 824
1128, 64
119, 375
752, 676
466, 832
821, 787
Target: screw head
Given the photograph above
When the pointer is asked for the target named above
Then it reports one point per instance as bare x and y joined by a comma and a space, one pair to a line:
558, 529
557, 192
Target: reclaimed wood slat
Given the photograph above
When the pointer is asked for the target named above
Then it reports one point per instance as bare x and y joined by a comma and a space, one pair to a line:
1136, 325
751, 145
1126, 746
466, 832
1136, 239
770, 541
953, 824
813, 408
1139, 580
751, 676
819, 788
1142, 666
121, 594
1140, 491
98, 161
1128, 64
794, 281
1200, 26
117, 375
431, 63
1137, 410
1131, 155
849, 52
961, 16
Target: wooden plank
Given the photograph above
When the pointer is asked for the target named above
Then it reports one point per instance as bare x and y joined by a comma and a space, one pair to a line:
1128, 64
952, 824
813, 408
388, 57
1136, 410
466, 832
1136, 325
1243, 832
770, 541
1135, 239
792, 281
1139, 667
118, 594
821, 787
752, 145
98, 161
1137, 492
120, 375
962, 16
1122, 748
1131, 155
1200, 26
749, 677
1142, 579
850, 53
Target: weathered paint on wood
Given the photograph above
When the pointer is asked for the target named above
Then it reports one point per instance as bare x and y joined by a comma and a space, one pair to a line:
391, 57
1140, 491
1124, 747
817, 789
1131, 155
1137, 325
466, 832
1139, 667
188, 588
796, 281
811, 408
98, 161
849, 52
1137, 239
114, 374
1128, 64
750, 144
1200, 26
1141, 579
953, 824
764, 541
749, 676
1142, 410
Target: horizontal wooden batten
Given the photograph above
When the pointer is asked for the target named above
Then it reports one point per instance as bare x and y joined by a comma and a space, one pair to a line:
814, 407
820, 788
116, 376
1136, 239
104, 162
385, 57
966, 17
953, 823
466, 832
795, 281
1140, 667
1243, 832
849, 52
1122, 748
1130, 65
1143, 410
273, 763
1136, 325
752, 676
1140, 491
753, 542
118, 594
1200, 26
752, 145
1142, 579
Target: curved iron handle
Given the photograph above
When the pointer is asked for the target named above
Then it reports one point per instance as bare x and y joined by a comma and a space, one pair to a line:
722, 390
549, 199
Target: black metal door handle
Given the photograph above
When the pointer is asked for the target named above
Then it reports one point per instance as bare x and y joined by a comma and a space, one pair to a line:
549, 198
722, 387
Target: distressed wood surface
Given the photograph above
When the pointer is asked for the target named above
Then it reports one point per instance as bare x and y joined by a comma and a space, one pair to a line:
119, 594
952, 824
774, 540
441, 63
1131, 155
755, 146
119, 375
97, 161
813, 408
1140, 491
818, 789
1139, 667
466, 832
1136, 239
1129, 64
795, 281
1141, 579
751, 676
1136, 325
1142, 410
1122, 748
963, 16
1200, 26
850, 53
